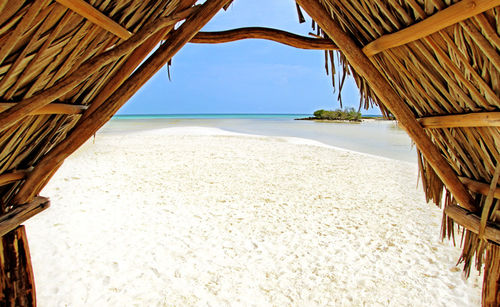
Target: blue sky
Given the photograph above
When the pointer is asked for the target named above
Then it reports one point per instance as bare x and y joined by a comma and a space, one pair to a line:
250, 76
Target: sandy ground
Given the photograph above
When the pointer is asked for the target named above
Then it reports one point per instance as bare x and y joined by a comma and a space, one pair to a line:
190, 216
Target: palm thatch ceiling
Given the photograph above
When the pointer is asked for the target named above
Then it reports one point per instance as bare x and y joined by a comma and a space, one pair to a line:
66, 66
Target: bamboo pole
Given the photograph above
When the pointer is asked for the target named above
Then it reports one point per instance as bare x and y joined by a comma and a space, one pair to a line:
365, 68
88, 127
29, 105
449, 16
279, 36
89, 12
482, 119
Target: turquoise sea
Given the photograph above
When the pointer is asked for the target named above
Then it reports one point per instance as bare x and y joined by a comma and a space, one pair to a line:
213, 116
377, 137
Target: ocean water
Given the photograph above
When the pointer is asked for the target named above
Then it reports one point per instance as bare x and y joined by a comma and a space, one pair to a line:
376, 137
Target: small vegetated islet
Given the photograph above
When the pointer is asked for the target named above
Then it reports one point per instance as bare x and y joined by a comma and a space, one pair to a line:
349, 114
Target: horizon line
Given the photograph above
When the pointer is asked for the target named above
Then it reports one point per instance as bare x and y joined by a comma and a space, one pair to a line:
156, 114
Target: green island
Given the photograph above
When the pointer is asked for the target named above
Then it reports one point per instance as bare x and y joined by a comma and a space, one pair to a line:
349, 114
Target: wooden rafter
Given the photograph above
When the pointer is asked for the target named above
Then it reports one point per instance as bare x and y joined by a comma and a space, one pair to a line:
387, 95
89, 12
482, 119
15, 217
52, 108
451, 15
279, 36
91, 123
7, 178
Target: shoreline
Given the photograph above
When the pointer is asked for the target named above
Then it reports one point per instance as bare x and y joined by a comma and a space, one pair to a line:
345, 121
194, 130
381, 138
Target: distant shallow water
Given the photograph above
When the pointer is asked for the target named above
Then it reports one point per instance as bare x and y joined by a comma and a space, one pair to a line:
213, 116
381, 138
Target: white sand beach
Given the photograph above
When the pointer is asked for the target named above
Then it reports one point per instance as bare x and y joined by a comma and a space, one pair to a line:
199, 216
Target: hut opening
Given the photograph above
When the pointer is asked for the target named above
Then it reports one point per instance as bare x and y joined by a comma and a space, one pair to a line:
67, 66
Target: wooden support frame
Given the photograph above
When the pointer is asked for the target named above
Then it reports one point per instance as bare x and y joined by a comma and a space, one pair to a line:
19, 215
90, 123
472, 222
482, 119
449, 16
89, 12
387, 95
279, 36
52, 108
62, 87
479, 187
17, 282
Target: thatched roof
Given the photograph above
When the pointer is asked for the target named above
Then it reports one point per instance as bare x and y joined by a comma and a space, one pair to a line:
67, 66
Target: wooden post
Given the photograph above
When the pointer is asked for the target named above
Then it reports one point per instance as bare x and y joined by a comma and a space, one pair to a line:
16, 274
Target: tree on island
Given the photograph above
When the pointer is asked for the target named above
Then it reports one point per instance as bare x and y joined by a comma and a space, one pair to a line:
349, 114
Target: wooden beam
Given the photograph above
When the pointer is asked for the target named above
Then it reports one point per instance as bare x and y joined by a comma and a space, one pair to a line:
483, 119
392, 101
88, 127
62, 87
52, 108
11, 177
89, 12
471, 222
449, 16
479, 187
17, 216
283, 37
